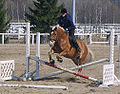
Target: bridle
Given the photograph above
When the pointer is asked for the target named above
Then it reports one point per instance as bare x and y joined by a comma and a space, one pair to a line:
52, 41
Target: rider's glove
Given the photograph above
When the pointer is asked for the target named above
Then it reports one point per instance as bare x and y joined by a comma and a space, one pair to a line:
65, 30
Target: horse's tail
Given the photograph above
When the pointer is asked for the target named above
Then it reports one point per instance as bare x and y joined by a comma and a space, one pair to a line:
90, 56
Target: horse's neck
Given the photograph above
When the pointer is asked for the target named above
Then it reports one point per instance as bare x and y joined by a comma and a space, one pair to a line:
64, 40
62, 35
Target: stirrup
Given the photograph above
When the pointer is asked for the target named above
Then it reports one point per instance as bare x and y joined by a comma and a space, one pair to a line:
78, 49
79, 57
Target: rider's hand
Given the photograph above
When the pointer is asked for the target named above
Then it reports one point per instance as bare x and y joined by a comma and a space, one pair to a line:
65, 30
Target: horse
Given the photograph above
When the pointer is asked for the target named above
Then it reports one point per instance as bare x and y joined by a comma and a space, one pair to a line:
59, 43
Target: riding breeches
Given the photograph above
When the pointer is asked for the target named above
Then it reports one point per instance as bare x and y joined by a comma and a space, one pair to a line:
72, 39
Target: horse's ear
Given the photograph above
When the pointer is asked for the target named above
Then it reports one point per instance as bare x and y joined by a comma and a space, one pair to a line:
55, 28
51, 27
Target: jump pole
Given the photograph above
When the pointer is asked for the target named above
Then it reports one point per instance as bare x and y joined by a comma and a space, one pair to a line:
70, 71
34, 86
73, 68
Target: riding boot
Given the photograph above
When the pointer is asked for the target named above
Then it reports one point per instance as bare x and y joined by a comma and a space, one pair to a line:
73, 41
76, 45
78, 48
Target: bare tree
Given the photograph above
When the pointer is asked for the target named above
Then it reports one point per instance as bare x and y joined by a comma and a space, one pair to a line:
87, 11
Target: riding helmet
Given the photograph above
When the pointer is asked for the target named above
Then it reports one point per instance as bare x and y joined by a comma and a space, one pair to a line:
63, 10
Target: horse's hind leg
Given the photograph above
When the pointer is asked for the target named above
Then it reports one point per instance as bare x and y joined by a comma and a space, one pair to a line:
76, 61
79, 62
83, 56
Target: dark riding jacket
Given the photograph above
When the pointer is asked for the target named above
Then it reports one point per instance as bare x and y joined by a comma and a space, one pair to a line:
66, 22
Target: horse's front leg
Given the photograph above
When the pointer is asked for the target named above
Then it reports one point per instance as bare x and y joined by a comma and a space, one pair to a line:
52, 61
63, 53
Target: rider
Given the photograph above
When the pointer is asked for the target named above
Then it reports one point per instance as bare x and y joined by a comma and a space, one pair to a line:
66, 22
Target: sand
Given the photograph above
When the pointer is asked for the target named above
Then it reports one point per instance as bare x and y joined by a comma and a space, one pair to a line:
75, 85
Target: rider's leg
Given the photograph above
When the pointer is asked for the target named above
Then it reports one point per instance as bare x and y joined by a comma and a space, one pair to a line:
76, 44
72, 38
71, 41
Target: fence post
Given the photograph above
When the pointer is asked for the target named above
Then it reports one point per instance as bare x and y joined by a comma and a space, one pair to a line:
27, 48
18, 33
90, 39
112, 46
32, 39
119, 57
37, 52
3, 38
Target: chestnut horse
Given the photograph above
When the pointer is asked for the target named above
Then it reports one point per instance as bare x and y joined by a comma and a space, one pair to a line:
59, 43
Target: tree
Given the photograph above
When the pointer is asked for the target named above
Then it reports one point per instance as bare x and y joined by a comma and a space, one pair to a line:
44, 14
3, 21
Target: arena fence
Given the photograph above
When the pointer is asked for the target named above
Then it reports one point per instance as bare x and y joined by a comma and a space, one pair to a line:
97, 37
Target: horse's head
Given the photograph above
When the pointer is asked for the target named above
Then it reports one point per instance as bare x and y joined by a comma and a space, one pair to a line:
55, 34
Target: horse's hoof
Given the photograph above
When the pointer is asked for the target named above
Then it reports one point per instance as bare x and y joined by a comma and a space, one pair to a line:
60, 60
52, 61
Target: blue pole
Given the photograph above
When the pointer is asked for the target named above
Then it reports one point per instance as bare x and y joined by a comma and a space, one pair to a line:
73, 10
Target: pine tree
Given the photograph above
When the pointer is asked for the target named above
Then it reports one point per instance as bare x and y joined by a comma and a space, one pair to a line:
3, 23
44, 14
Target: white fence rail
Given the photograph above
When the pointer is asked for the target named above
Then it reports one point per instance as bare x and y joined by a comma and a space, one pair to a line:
90, 37
94, 34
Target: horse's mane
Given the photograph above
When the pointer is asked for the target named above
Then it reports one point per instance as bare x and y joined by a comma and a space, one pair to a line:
57, 26
61, 28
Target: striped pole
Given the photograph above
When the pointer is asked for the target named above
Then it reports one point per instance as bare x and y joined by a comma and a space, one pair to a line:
70, 71
73, 68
